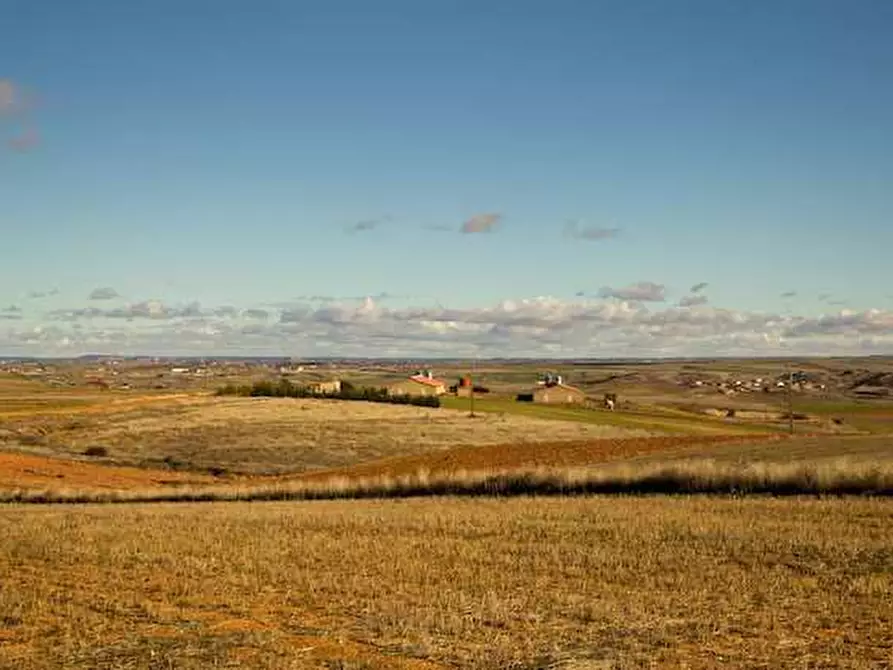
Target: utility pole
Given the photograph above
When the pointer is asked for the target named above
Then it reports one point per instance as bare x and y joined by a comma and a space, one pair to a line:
471, 387
790, 394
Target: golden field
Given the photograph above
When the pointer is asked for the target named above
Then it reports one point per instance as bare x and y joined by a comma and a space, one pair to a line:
270, 435
674, 582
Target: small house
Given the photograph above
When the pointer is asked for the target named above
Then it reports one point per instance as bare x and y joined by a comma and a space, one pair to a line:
421, 383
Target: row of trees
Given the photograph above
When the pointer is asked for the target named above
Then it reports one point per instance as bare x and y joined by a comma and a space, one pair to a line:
286, 389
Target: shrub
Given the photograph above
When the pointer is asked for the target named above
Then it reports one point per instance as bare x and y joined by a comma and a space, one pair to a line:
174, 463
96, 451
286, 389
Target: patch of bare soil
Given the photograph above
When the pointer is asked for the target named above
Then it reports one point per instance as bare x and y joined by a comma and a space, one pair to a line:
24, 471
533, 455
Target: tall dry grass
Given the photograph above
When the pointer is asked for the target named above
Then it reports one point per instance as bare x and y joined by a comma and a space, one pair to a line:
703, 476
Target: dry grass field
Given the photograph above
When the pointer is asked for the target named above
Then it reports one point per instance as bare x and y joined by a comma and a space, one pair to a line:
268, 435
669, 582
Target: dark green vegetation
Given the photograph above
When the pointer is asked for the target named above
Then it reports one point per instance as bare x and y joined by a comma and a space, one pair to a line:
286, 389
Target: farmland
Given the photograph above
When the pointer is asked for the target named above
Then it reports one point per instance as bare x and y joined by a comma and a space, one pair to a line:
268, 435
466, 579
526, 582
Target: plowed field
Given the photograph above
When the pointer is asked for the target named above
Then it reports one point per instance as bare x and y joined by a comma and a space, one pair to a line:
535, 455
23, 471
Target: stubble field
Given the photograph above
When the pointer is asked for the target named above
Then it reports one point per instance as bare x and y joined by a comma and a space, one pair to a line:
523, 583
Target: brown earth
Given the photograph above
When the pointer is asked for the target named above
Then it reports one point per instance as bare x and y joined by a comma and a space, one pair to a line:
533, 455
23, 471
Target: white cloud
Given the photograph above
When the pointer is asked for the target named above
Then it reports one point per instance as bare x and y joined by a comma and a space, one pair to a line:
147, 309
693, 300
539, 326
36, 295
103, 293
644, 291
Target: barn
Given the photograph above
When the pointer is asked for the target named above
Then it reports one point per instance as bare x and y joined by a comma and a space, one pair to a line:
554, 391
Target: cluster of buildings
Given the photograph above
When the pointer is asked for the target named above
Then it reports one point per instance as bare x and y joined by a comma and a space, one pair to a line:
797, 381
551, 389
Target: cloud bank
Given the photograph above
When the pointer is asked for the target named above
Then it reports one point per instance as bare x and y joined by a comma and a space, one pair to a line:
534, 327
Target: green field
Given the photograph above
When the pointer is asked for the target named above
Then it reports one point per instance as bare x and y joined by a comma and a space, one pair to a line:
664, 421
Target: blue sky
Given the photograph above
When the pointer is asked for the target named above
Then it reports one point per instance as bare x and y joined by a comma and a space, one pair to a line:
249, 155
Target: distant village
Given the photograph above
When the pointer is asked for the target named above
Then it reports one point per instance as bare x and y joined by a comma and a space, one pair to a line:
408, 378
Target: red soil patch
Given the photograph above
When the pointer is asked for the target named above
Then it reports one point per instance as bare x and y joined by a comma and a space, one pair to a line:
22, 471
530, 455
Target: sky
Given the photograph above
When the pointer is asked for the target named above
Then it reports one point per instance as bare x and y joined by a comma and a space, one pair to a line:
571, 178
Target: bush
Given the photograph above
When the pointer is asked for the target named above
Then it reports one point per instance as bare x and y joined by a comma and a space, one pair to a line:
96, 451
286, 389
174, 463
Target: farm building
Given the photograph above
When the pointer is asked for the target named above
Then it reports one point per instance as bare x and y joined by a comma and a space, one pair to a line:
554, 391
558, 393
323, 388
421, 383
464, 388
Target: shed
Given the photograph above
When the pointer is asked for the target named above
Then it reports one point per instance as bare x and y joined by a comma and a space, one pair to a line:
558, 394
